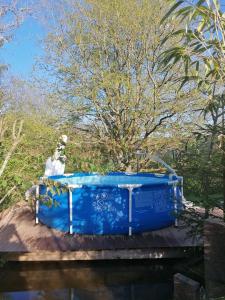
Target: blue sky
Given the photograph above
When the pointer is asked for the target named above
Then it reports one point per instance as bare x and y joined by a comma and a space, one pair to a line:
21, 52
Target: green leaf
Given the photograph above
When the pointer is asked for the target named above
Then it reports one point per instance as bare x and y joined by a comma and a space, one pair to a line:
197, 66
217, 4
184, 11
187, 79
186, 64
200, 2
172, 9
178, 32
201, 25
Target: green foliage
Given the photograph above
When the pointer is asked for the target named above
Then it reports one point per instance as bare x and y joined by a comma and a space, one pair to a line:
53, 188
85, 156
202, 173
201, 41
199, 162
28, 161
201, 49
118, 97
38, 143
106, 58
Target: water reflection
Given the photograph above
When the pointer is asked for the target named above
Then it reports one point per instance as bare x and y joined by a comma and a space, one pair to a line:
82, 281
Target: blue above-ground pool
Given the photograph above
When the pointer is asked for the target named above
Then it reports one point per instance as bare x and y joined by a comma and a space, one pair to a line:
116, 203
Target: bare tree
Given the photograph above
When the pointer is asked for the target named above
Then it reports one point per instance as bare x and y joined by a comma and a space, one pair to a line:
105, 54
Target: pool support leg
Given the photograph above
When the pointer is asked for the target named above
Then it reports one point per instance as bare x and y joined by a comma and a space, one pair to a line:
37, 204
182, 191
174, 184
130, 188
70, 211
70, 188
175, 203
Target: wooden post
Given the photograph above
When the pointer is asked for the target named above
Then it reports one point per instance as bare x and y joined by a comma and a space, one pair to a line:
185, 288
214, 248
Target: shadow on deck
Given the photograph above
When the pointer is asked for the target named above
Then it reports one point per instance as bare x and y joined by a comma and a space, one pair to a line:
22, 240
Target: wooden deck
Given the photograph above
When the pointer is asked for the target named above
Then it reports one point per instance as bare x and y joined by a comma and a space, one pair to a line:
22, 240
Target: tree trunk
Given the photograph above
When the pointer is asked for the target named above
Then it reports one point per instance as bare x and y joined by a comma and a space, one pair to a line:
223, 172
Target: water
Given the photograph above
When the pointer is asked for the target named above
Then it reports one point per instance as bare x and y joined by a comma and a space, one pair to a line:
87, 281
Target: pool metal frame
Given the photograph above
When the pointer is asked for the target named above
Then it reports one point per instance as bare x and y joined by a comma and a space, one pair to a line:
129, 187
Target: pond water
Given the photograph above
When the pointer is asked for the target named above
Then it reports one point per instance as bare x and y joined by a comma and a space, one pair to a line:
136, 280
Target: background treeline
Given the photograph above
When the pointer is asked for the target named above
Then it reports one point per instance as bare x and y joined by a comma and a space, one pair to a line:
121, 76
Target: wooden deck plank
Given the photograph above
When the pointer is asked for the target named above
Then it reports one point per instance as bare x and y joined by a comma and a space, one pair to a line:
23, 240
153, 253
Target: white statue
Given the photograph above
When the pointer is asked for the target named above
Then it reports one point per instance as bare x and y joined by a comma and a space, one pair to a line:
55, 165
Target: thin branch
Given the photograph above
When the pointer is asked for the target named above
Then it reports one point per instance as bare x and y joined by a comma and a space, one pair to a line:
158, 124
7, 194
16, 136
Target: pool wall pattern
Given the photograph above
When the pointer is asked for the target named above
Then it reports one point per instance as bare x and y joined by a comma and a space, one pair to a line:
113, 208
